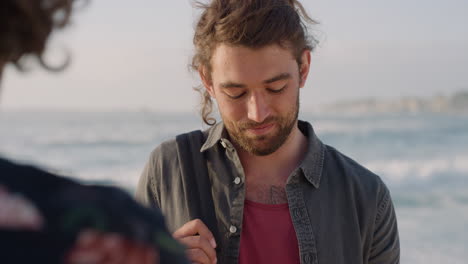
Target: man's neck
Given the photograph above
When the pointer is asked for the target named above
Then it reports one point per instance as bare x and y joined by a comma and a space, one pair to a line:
276, 167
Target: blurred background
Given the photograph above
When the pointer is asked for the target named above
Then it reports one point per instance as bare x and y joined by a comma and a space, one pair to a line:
388, 87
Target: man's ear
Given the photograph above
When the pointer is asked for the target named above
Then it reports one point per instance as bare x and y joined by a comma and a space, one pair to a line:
206, 80
304, 67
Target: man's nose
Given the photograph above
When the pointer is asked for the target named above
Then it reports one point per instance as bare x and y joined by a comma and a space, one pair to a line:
258, 108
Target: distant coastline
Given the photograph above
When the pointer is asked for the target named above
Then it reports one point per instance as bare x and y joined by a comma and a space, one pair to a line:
455, 103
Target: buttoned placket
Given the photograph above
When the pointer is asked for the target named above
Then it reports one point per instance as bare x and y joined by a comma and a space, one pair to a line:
297, 207
237, 208
301, 219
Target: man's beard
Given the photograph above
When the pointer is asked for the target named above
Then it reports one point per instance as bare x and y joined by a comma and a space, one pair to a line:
263, 145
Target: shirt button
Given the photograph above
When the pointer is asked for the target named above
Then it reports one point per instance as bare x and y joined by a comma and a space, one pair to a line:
233, 229
223, 144
237, 180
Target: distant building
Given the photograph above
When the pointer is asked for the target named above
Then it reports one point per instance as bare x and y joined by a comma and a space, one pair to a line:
456, 103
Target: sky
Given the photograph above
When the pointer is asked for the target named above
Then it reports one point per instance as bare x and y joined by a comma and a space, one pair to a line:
134, 55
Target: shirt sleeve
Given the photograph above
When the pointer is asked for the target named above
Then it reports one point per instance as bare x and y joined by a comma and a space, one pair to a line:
385, 244
146, 192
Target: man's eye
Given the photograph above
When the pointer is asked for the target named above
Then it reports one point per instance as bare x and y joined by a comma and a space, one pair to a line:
235, 96
276, 91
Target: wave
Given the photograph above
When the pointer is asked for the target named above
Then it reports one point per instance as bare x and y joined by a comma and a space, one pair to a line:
425, 183
386, 123
107, 138
360, 126
430, 198
83, 143
401, 170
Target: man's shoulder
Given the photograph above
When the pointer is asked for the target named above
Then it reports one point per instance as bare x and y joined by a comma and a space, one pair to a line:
171, 148
193, 137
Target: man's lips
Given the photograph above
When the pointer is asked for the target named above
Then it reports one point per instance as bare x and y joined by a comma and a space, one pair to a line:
261, 129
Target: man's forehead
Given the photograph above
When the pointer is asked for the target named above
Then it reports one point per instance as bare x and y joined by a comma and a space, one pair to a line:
239, 51
259, 65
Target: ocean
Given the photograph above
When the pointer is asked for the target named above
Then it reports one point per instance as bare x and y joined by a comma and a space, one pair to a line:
423, 159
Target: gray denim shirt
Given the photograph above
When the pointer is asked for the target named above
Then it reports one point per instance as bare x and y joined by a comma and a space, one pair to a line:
341, 212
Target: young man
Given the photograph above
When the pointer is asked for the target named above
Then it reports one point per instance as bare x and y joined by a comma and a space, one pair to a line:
45, 218
260, 187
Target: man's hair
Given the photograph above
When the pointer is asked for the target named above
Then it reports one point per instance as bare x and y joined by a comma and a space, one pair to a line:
250, 23
25, 27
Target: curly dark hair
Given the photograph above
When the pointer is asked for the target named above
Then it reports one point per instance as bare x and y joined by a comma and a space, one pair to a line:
249, 23
25, 26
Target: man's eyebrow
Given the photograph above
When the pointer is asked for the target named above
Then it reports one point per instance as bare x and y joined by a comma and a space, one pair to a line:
279, 77
232, 85
282, 76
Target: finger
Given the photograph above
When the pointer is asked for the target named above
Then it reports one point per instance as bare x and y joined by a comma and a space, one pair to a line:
195, 227
198, 256
194, 242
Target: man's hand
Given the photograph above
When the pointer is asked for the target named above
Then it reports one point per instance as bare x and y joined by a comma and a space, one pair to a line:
93, 247
199, 241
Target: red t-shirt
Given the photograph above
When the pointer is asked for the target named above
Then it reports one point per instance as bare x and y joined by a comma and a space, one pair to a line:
268, 235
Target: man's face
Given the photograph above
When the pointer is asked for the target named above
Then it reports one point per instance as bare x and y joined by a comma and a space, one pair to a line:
257, 91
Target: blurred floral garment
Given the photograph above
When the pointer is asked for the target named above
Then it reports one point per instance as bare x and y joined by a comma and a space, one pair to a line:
42, 216
18, 213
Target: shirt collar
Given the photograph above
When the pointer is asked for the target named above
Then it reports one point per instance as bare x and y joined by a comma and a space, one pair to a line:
215, 133
311, 165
